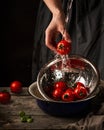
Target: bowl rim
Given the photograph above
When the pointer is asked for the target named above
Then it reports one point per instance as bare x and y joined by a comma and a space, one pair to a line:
56, 60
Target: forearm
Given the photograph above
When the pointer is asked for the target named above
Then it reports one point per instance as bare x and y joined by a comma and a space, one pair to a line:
55, 6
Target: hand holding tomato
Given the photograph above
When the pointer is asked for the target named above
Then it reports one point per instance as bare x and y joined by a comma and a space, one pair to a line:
16, 87
63, 47
5, 97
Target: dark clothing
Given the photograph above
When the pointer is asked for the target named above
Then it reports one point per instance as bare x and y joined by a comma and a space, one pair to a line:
87, 32
86, 29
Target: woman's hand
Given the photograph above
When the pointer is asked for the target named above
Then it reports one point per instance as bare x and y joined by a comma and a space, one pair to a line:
57, 24
56, 27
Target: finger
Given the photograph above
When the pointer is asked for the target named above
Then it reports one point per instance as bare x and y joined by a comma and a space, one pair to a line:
50, 41
66, 36
50, 46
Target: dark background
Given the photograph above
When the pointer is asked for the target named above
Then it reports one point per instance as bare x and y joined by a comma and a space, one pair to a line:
18, 19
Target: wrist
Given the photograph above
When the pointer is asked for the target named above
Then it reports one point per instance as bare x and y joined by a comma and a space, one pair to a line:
58, 12
59, 16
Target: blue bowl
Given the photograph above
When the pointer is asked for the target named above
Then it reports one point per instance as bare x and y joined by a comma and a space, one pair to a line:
56, 108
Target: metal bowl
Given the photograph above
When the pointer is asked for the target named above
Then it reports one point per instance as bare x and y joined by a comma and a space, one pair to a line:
77, 69
65, 109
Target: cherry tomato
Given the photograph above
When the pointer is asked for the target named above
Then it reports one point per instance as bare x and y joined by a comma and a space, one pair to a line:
79, 84
80, 91
16, 87
60, 85
57, 94
5, 97
63, 47
68, 95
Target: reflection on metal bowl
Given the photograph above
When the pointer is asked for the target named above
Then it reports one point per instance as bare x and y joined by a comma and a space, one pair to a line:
75, 69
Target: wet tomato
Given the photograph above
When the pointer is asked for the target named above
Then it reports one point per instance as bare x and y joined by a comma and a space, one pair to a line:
77, 84
63, 47
68, 95
57, 94
60, 85
80, 91
5, 97
16, 87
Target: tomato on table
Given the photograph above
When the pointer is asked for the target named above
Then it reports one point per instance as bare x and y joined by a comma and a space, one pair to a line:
16, 87
5, 97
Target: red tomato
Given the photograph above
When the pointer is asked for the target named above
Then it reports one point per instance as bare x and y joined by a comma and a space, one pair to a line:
68, 95
63, 47
5, 97
16, 87
57, 94
79, 84
80, 91
60, 85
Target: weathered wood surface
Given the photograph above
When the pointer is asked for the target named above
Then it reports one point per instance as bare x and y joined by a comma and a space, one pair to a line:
10, 119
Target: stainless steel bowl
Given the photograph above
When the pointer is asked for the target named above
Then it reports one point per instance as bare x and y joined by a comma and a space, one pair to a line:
76, 69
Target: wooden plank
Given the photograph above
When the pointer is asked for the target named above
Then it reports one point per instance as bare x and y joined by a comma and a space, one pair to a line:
21, 103
10, 119
24, 91
39, 122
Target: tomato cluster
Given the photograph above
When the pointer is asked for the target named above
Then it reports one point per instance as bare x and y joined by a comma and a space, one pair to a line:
62, 91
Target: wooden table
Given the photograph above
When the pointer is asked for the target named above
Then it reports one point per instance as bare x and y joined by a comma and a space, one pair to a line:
10, 119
